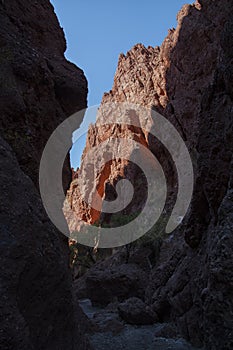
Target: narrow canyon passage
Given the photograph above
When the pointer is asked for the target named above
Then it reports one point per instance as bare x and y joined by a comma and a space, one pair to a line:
163, 290
111, 333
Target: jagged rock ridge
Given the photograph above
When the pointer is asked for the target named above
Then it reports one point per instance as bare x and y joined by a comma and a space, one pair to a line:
188, 80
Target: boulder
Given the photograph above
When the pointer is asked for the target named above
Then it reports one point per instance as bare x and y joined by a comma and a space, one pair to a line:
117, 283
135, 311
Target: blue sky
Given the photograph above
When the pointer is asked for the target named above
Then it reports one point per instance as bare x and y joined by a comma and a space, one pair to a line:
98, 31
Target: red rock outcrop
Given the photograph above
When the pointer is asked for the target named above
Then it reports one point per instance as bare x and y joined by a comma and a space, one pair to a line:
170, 79
39, 88
110, 173
188, 80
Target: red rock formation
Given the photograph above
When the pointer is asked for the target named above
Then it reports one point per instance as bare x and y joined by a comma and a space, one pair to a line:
189, 80
108, 176
149, 77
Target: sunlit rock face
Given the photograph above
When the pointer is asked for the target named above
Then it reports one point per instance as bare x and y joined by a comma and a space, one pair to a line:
39, 88
170, 79
189, 81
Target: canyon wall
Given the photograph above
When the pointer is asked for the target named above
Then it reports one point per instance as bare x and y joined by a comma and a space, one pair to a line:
189, 81
39, 88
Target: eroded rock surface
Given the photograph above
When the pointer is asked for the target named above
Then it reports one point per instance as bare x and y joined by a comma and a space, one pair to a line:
188, 80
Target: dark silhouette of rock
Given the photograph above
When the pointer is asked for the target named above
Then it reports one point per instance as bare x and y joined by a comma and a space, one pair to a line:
135, 311
104, 286
36, 303
166, 330
39, 88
